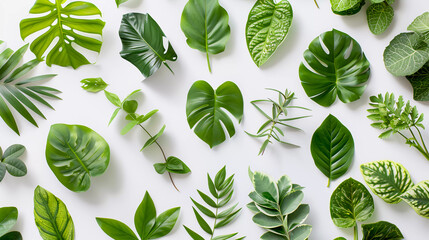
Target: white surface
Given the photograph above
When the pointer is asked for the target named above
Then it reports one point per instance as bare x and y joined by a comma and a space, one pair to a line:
117, 193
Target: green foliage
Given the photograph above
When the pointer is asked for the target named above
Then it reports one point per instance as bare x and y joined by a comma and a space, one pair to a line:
346, 7
381, 231
148, 225
267, 27
52, 217
76, 153
143, 43
278, 209
343, 70
93, 84
8, 218
205, 110
119, 2
205, 25
418, 198
10, 162
222, 190
393, 117
19, 92
63, 23
129, 107
332, 148
420, 83
271, 128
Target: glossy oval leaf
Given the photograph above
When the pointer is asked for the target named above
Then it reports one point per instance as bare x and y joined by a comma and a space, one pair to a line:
52, 217
346, 7
8, 218
267, 27
418, 198
381, 231
205, 25
205, 110
387, 179
164, 223
116, 229
342, 69
420, 83
93, 84
144, 218
65, 24
76, 153
350, 202
406, 54
144, 44
332, 148
379, 17
12, 236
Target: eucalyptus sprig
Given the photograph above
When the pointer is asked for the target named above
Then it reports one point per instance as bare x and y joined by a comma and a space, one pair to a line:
221, 190
279, 113
398, 117
171, 164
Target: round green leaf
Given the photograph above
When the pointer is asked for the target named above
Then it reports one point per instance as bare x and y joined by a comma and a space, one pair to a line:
406, 54
418, 198
205, 25
351, 202
93, 84
346, 7
63, 23
381, 231
205, 110
76, 153
267, 26
52, 217
379, 16
8, 218
332, 148
143, 43
387, 179
341, 70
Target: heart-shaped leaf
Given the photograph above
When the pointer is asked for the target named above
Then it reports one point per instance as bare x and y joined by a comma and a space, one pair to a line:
381, 231
76, 153
8, 218
205, 110
63, 23
143, 43
205, 25
52, 217
342, 69
379, 17
418, 198
420, 83
332, 148
387, 179
93, 84
267, 26
351, 202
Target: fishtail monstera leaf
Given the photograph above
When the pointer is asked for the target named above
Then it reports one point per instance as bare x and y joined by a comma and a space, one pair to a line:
418, 198
76, 153
267, 26
205, 110
341, 70
70, 25
20, 92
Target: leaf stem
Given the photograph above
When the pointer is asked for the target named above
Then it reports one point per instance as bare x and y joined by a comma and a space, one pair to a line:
421, 138
315, 1
208, 62
215, 221
356, 232
329, 182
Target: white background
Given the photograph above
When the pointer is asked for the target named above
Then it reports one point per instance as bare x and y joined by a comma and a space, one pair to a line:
118, 192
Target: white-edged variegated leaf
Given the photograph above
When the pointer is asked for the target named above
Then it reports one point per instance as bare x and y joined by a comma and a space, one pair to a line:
418, 198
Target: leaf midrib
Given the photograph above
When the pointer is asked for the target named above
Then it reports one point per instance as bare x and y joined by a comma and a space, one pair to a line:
78, 158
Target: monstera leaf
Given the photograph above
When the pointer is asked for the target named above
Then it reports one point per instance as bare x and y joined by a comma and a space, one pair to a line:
75, 154
19, 92
205, 25
63, 23
418, 198
379, 16
341, 70
267, 26
332, 148
143, 43
205, 109
52, 217
351, 202
387, 179
381, 231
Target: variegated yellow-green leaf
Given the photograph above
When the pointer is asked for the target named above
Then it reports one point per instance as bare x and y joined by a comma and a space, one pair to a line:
418, 198
387, 179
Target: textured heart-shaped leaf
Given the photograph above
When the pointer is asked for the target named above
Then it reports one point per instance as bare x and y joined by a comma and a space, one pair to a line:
379, 17
267, 26
332, 148
381, 231
420, 24
418, 198
76, 153
387, 179
346, 7
342, 69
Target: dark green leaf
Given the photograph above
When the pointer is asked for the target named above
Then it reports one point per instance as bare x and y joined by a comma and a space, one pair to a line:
420, 83
381, 231
130, 106
11, 236
116, 229
93, 84
194, 235
379, 17
153, 139
175, 165
8, 218
2, 171
203, 224
164, 223
144, 218
418, 198
346, 7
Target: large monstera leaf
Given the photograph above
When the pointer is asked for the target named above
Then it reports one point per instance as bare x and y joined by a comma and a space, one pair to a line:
19, 92
65, 24
205, 25
418, 198
267, 26
143, 43
341, 70
205, 110
387, 179
76, 153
